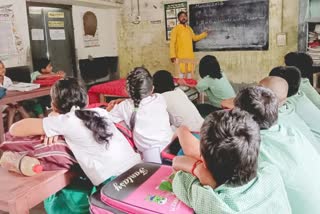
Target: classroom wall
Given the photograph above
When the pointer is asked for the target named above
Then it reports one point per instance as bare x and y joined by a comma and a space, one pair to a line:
145, 43
20, 26
107, 30
107, 24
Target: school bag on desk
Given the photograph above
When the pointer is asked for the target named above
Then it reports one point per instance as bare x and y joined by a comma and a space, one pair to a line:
3, 92
48, 81
143, 189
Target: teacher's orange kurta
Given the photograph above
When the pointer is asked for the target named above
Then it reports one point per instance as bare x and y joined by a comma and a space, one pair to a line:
181, 42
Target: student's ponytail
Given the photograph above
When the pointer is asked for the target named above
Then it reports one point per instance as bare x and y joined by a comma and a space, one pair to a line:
95, 123
139, 86
67, 94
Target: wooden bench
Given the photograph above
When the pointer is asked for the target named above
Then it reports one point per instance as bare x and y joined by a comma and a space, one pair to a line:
18, 193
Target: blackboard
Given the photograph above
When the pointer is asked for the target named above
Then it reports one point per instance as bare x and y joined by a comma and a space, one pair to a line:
232, 25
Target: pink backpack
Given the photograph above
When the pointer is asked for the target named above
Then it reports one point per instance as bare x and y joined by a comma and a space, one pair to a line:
144, 189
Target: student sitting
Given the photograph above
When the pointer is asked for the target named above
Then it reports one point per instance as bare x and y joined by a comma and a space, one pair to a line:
10, 109
100, 149
179, 106
44, 70
214, 82
287, 113
304, 63
285, 148
145, 114
306, 110
227, 179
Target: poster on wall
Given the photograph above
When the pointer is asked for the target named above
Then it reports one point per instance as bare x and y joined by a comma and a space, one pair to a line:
171, 11
10, 42
90, 30
57, 34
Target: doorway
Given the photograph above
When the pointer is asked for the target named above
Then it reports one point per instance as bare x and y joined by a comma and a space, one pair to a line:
52, 36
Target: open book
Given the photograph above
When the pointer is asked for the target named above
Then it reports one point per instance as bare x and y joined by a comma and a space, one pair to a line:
21, 86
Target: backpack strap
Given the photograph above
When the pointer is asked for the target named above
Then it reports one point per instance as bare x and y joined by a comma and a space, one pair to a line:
127, 133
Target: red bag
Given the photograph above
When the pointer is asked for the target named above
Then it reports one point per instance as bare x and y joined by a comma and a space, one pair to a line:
52, 157
48, 81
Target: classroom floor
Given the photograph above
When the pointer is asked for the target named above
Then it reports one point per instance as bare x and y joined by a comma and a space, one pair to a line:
36, 210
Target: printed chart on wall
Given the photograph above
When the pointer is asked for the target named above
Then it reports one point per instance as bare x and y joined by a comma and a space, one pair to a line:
10, 42
171, 11
90, 28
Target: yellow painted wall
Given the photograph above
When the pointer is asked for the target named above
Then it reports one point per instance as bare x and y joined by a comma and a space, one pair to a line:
145, 43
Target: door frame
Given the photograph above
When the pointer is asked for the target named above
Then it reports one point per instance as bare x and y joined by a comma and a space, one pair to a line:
72, 43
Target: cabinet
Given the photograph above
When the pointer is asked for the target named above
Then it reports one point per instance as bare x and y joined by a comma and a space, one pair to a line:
313, 39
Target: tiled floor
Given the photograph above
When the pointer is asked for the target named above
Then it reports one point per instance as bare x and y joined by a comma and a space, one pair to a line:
36, 210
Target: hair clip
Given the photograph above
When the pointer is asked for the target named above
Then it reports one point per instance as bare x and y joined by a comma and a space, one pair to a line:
74, 108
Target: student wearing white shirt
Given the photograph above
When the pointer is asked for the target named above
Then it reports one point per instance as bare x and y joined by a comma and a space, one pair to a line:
100, 149
180, 107
11, 109
145, 114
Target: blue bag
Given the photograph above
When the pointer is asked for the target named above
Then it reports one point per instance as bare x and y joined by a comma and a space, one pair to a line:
3, 92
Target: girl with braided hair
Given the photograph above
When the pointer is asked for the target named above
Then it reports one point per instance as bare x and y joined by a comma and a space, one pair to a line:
100, 149
145, 114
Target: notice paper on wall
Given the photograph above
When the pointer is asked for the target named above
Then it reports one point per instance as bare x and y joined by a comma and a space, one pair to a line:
8, 43
57, 34
37, 34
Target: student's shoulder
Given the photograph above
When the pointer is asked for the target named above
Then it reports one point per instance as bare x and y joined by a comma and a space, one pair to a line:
7, 79
101, 111
158, 98
300, 99
35, 73
176, 92
266, 169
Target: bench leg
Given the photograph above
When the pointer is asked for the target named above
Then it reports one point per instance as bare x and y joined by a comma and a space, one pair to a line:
1, 129
20, 206
102, 98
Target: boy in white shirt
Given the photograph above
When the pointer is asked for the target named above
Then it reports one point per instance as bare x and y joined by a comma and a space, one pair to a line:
180, 107
11, 109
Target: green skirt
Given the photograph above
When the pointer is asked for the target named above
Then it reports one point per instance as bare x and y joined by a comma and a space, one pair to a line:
72, 199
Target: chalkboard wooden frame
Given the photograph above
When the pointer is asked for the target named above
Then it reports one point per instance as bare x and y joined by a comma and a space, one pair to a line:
232, 25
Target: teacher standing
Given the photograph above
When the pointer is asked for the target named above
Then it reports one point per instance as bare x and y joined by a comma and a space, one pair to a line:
181, 40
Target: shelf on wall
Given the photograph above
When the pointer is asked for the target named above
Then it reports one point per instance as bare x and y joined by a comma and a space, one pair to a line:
313, 20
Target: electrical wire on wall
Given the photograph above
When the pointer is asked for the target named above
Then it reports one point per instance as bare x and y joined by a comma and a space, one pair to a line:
137, 18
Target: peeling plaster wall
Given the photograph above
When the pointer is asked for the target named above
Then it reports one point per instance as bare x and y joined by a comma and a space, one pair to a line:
145, 43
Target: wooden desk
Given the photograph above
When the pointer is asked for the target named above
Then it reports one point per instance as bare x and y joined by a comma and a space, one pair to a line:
16, 96
18, 193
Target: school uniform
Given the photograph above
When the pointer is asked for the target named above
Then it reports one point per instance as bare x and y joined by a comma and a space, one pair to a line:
298, 163
7, 82
183, 110
216, 89
288, 117
34, 75
264, 194
152, 131
310, 92
99, 162
307, 111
